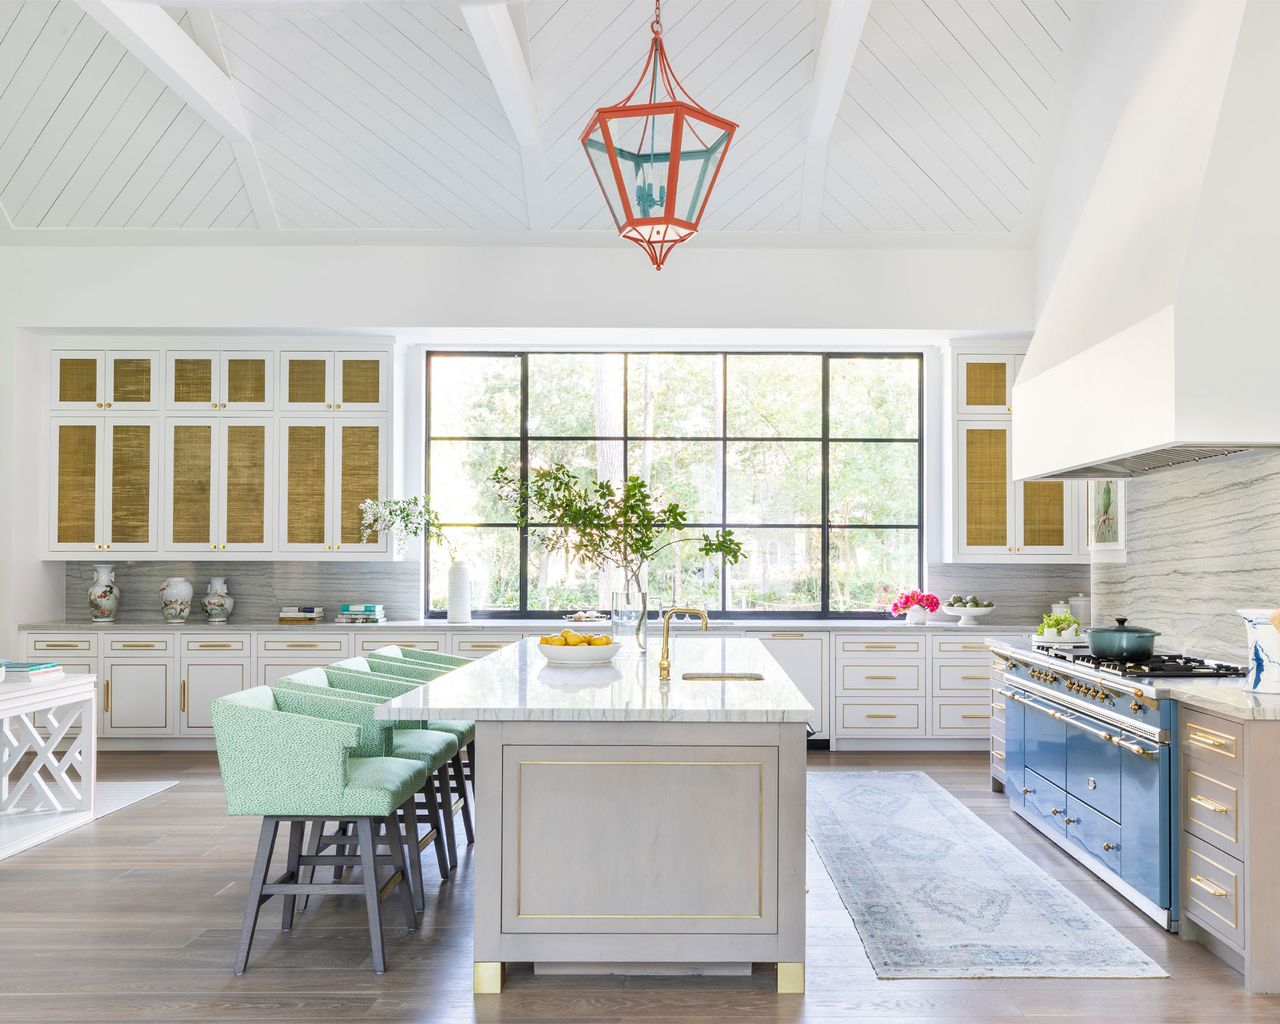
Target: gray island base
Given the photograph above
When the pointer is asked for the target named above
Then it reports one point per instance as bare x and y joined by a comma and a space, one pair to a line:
629, 824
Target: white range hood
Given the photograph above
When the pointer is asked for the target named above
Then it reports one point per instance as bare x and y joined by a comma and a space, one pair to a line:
1159, 342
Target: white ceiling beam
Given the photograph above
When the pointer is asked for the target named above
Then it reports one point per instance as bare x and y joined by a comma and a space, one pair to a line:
840, 37
495, 36
148, 32
205, 30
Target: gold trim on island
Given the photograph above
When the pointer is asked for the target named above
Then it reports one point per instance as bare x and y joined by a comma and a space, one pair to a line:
791, 978
487, 977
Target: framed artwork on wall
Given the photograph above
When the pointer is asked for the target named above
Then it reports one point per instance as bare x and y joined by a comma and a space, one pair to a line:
1106, 517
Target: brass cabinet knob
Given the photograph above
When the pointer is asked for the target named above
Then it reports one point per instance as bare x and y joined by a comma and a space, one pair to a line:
215, 404
224, 547
1055, 811
1135, 707
1108, 847
213, 547
99, 405
108, 405
328, 405
337, 405
107, 547
328, 547
1026, 790
1071, 821
337, 547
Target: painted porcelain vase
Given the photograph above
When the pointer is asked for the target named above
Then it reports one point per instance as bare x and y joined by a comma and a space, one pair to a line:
1263, 626
217, 603
104, 595
459, 592
175, 599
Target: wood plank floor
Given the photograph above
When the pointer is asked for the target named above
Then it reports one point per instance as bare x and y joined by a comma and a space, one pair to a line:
134, 918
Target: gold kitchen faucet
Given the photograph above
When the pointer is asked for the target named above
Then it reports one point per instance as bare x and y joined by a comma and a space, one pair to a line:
664, 659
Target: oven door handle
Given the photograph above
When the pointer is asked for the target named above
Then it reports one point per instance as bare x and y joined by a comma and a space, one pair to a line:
1123, 742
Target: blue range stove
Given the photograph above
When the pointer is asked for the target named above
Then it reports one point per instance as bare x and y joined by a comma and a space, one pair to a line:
1089, 763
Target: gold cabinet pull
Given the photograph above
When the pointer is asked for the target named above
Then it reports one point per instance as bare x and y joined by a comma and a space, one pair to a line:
1108, 847
975, 716
1055, 811
182, 698
1206, 741
996, 753
782, 636
880, 678
299, 643
1212, 805
973, 647
881, 716
106, 696
882, 647
139, 644
210, 646
1213, 890
982, 677
997, 707
57, 645
481, 646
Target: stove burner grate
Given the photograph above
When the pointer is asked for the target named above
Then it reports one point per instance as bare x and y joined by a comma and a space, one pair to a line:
1156, 665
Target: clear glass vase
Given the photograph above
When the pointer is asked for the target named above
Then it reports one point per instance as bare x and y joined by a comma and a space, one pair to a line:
629, 616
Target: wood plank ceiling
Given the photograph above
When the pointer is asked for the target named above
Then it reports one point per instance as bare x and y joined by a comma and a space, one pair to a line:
384, 118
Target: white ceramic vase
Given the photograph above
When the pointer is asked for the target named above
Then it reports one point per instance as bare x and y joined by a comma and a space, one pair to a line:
217, 603
104, 595
459, 592
917, 616
175, 599
1264, 648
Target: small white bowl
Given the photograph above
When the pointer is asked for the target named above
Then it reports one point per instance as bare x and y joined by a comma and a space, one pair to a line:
581, 655
968, 616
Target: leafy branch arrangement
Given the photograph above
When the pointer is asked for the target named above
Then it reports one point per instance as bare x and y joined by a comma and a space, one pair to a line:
402, 518
602, 526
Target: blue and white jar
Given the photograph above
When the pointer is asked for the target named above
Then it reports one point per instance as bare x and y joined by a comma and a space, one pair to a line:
1263, 625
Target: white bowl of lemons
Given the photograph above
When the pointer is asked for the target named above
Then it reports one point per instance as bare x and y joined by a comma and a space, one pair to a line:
570, 648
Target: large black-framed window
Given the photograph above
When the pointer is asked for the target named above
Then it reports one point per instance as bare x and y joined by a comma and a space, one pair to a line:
815, 460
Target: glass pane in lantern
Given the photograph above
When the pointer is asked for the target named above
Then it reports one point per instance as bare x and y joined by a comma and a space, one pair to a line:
643, 144
599, 156
702, 148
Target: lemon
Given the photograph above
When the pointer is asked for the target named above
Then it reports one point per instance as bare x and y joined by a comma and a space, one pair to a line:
601, 641
554, 641
566, 633
576, 640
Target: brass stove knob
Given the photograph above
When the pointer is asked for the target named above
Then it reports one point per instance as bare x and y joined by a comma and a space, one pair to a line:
1135, 707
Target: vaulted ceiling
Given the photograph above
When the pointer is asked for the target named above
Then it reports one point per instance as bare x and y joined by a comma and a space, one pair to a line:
316, 121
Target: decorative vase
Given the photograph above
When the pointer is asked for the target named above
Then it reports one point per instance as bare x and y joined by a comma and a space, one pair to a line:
629, 616
175, 599
104, 595
1263, 626
459, 592
917, 616
217, 603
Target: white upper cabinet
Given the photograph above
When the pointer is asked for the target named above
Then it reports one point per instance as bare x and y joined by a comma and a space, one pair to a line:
193, 382
246, 382
984, 384
348, 382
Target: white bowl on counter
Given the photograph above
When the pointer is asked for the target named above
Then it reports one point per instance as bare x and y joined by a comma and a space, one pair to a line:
968, 616
580, 655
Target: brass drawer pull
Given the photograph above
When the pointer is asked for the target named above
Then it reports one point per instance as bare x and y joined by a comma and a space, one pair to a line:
299, 643
1213, 890
974, 647
781, 636
56, 646
1207, 741
106, 696
141, 646
880, 678
1108, 847
975, 716
182, 698
996, 753
997, 707
1212, 805
885, 647
1070, 821
209, 647
477, 646
881, 716
984, 678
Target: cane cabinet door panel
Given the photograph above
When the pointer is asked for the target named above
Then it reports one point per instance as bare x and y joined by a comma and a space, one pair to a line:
130, 484
306, 382
361, 382
193, 382
985, 498
306, 485
77, 381
191, 485
246, 486
359, 473
247, 382
131, 381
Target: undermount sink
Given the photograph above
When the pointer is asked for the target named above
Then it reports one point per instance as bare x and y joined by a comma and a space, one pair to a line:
722, 675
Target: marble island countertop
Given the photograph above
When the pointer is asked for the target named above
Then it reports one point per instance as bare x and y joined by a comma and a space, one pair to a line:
517, 684
154, 624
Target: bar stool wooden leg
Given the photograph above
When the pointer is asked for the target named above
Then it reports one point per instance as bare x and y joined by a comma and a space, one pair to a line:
461, 778
410, 810
292, 871
395, 845
434, 817
369, 867
261, 864
312, 850
446, 813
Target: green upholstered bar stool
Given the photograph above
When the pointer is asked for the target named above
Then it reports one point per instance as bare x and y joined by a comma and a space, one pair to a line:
438, 752
417, 674
296, 758
424, 657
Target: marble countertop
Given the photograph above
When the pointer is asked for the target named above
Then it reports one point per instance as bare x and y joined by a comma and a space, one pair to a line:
517, 684
152, 625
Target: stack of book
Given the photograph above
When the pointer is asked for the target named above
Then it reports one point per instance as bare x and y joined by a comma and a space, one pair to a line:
301, 615
361, 614
30, 672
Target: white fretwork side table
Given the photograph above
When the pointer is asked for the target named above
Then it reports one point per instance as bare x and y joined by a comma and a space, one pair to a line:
48, 759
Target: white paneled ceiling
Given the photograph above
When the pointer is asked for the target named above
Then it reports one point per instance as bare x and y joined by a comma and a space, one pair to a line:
372, 119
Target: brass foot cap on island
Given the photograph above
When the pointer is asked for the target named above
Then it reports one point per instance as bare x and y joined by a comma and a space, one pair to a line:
791, 978
487, 977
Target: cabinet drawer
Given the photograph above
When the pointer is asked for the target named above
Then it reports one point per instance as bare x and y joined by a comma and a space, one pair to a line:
961, 718
848, 643
998, 757
997, 708
881, 718
952, 678
137, 644
49, 646
1213, 740
1093, 833
219, 645
975, 649
1044, 801
1213, 890
1211, 805
438, 642
855, 677
479, 646
335, 644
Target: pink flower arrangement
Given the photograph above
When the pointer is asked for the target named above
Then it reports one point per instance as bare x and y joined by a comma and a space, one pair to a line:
915, 599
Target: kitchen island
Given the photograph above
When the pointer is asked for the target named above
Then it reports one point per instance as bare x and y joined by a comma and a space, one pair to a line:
631, 824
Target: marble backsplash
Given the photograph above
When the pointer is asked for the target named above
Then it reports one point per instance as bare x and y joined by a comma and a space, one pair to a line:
259, 588
1021, 593
1202, 541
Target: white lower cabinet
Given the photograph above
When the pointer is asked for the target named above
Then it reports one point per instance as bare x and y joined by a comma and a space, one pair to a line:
204, 680
438, 642
477, 646
138, 696
882, 718
805, 656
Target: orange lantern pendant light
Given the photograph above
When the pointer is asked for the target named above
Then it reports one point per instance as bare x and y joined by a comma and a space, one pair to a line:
656, 155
